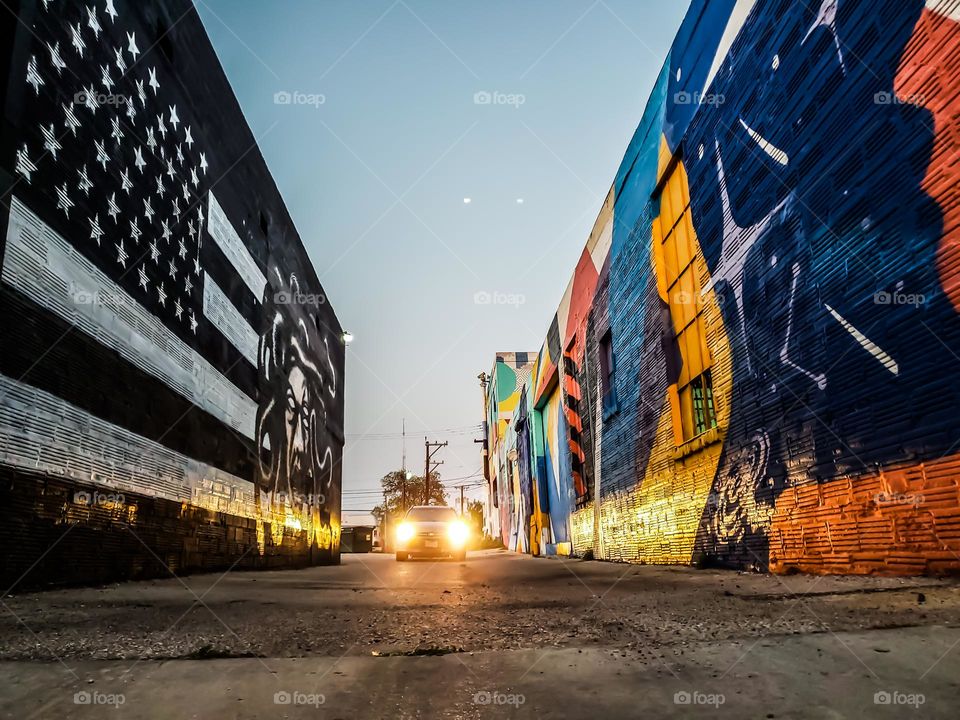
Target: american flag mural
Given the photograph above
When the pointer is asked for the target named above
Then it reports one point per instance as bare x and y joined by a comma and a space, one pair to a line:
164, 333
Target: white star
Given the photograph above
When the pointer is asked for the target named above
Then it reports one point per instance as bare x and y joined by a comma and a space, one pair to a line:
50, 142
93, 23
154, 250
174, 119
102, 156
196, 266
193, 323
132, 45
96, 232
173, 270
112, 208
111, 11
77, 39
153, 80
148, 209
116, 133
170, 170
179, 154
25, 165
200, 215
193, 177
186, 192
105, 77
46, 4
125, 181
203, 163
162, 295
121, 63
177, 309
187, 284
85, 183
143, 277
183, 250
161, 127
71, 118
151, 138
33, 77
142, 93
160, 188
131, 108
138, 159
122, 256
135, 231
63, 200
189, 138
176, 208
90, 99
192, 229
55, 58
166, 229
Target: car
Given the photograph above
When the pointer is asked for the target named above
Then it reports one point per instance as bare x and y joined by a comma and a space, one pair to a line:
432, 531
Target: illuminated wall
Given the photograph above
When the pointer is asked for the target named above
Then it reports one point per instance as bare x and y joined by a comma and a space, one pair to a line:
171, 373
775, 278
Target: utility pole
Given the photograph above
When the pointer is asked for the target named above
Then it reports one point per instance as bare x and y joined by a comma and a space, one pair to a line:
427, 457
462, 511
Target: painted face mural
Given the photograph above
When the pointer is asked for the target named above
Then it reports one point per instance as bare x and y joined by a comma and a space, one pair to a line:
296, 454
828, 189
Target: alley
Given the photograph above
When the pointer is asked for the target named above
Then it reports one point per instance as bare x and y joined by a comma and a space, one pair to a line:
500, 633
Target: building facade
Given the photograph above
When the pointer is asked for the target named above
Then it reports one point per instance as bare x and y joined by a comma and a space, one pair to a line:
751, 363
171, 374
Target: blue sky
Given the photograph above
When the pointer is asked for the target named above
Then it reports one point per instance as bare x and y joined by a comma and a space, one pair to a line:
385, 140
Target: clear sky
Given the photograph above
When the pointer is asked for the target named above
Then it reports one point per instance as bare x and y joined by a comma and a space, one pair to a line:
378, 153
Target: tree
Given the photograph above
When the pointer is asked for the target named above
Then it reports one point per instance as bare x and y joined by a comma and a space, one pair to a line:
475, 515
402, 493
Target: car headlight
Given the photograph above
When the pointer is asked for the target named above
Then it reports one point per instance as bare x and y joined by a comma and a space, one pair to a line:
404, 532
458, 533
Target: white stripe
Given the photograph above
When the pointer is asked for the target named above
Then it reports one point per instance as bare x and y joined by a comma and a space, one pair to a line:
218, 309
888, 362
769, 148
44, 433
47, 269
229, 242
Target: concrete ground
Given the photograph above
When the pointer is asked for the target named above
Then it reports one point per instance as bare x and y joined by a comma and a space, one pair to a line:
500, 634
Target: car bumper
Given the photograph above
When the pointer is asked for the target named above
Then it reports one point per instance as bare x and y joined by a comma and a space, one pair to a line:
430, 547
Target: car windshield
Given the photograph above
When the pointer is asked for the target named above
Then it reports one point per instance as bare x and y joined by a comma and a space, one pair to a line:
432, 514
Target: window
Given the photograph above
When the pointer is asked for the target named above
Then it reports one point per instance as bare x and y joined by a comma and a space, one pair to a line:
679, 271
607, 370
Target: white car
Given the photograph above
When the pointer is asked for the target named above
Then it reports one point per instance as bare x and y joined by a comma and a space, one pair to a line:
432, 531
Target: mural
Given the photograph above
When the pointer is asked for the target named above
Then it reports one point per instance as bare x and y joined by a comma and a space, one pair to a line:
144, 352
780, 299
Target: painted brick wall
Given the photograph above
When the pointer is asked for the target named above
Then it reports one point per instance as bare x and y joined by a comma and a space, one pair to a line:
171, 374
